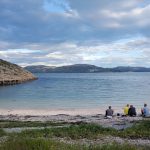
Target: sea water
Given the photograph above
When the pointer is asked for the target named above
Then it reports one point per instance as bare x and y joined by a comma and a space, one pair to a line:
78, 90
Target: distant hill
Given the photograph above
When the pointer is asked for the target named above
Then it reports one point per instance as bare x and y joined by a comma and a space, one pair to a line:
77, 68
13, 74
130, 69
83, 68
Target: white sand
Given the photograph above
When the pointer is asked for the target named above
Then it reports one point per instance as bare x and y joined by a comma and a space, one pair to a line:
41, 112
44, 112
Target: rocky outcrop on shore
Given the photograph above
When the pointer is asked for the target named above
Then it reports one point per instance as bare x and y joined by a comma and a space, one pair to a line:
13, 74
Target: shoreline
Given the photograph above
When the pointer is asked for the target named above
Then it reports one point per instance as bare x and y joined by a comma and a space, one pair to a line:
49, 112
74, 116
118, 123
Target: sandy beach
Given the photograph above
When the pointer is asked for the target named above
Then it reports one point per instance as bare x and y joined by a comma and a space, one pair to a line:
73, 117
43, 112
70, 116
73, 112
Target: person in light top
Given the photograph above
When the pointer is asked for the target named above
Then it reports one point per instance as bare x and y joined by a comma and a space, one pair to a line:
145, 111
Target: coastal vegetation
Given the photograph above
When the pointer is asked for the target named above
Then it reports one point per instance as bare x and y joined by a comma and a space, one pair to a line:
91, 131
45, 144
81, 136
2, 133
13, 124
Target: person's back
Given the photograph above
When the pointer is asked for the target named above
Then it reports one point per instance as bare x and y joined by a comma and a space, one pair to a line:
145, 111
132, 111
126, 110
109, 112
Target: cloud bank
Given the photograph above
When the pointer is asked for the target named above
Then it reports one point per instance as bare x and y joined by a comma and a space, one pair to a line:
60, 32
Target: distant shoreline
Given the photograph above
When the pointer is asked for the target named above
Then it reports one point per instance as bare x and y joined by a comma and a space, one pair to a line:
83, 68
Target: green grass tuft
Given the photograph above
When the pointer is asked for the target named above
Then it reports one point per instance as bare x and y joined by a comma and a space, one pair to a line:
91, 131
13, 124
43, 144
2, 133
41, 138
140, 129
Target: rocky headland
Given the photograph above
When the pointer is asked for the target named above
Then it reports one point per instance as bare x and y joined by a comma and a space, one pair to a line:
13, 74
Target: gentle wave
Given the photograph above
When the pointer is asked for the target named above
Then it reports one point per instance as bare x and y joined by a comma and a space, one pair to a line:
78, 90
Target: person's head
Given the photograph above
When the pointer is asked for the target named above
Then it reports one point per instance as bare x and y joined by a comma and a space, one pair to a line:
131, 106
127, 105
145, 105
109, 107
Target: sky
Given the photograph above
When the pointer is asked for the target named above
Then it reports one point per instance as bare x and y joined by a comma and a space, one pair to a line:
105, 33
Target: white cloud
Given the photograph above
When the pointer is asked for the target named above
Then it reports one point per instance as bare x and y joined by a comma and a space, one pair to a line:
100, 32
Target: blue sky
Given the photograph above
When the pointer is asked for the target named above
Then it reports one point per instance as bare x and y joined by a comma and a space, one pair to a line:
63, 32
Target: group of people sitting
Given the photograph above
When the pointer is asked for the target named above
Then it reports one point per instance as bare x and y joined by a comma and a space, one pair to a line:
129, 111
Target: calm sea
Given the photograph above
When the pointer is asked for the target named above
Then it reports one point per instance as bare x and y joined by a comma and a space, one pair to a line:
78, 90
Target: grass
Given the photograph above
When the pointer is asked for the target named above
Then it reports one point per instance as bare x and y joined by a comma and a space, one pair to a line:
13, 124
41, 138
140, 129
2, 133
91, 131
42, 144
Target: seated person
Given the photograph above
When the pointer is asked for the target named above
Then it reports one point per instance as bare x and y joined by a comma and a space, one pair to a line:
126, 110
109, 112
145, 111
132, 111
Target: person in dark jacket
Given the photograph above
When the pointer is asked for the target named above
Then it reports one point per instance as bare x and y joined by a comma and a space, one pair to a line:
132, 111
109, 112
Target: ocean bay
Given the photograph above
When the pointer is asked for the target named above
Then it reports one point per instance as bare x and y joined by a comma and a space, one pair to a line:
78, 91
